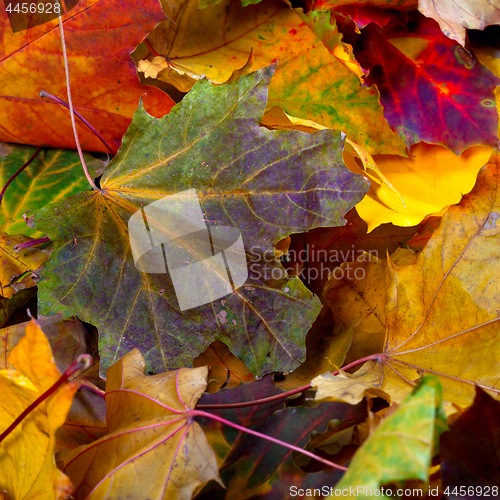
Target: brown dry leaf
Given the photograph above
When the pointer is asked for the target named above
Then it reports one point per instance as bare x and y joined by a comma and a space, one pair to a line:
16, 267
348, 388
455, 16
153, 445
357, 295
442, 314
27, 466
223, 366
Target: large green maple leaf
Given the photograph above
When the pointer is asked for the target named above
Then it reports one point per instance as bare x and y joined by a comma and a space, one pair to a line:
266, 184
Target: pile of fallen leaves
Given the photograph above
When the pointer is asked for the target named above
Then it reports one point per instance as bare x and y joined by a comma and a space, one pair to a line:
353, 146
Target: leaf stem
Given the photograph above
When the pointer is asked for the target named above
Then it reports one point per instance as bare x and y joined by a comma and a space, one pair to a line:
71, 111
199, 413
30, 243
84, 120
33, 156
83, 361
286, 394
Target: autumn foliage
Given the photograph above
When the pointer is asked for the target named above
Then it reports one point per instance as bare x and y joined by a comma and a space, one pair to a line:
354, 145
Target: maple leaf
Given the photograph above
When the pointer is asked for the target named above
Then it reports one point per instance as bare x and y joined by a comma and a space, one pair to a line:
443, 306
154, 446
27, 467
403, 444
68, 339
99, 37
421, 77
313, 80
455, 16
267, 184
53, 175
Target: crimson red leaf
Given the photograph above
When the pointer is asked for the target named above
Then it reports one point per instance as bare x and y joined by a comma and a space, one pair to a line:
431, 88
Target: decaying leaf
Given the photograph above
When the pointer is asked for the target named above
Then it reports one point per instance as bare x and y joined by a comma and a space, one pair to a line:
27, 465
153, 446
470, 450
225, 369
403, 444
267, 184
457, 16
444, 306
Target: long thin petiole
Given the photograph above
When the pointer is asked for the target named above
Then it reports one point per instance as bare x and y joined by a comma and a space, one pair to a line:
84, 120
287, 394
71, 111
199, 413
34, 155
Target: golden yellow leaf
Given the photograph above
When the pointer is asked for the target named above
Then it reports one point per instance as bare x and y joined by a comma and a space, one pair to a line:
16, 267
405, 191
27, 465
442, 313
152, 446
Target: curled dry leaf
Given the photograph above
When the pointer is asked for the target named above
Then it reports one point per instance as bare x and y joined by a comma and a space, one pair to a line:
27, 465
457, 16
153, 445
405, 191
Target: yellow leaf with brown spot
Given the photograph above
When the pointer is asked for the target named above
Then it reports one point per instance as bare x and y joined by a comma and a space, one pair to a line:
27, 465
16, 267
153, 446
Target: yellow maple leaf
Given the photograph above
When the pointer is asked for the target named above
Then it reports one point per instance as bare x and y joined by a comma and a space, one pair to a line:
27, 465
442, 314
153, 446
